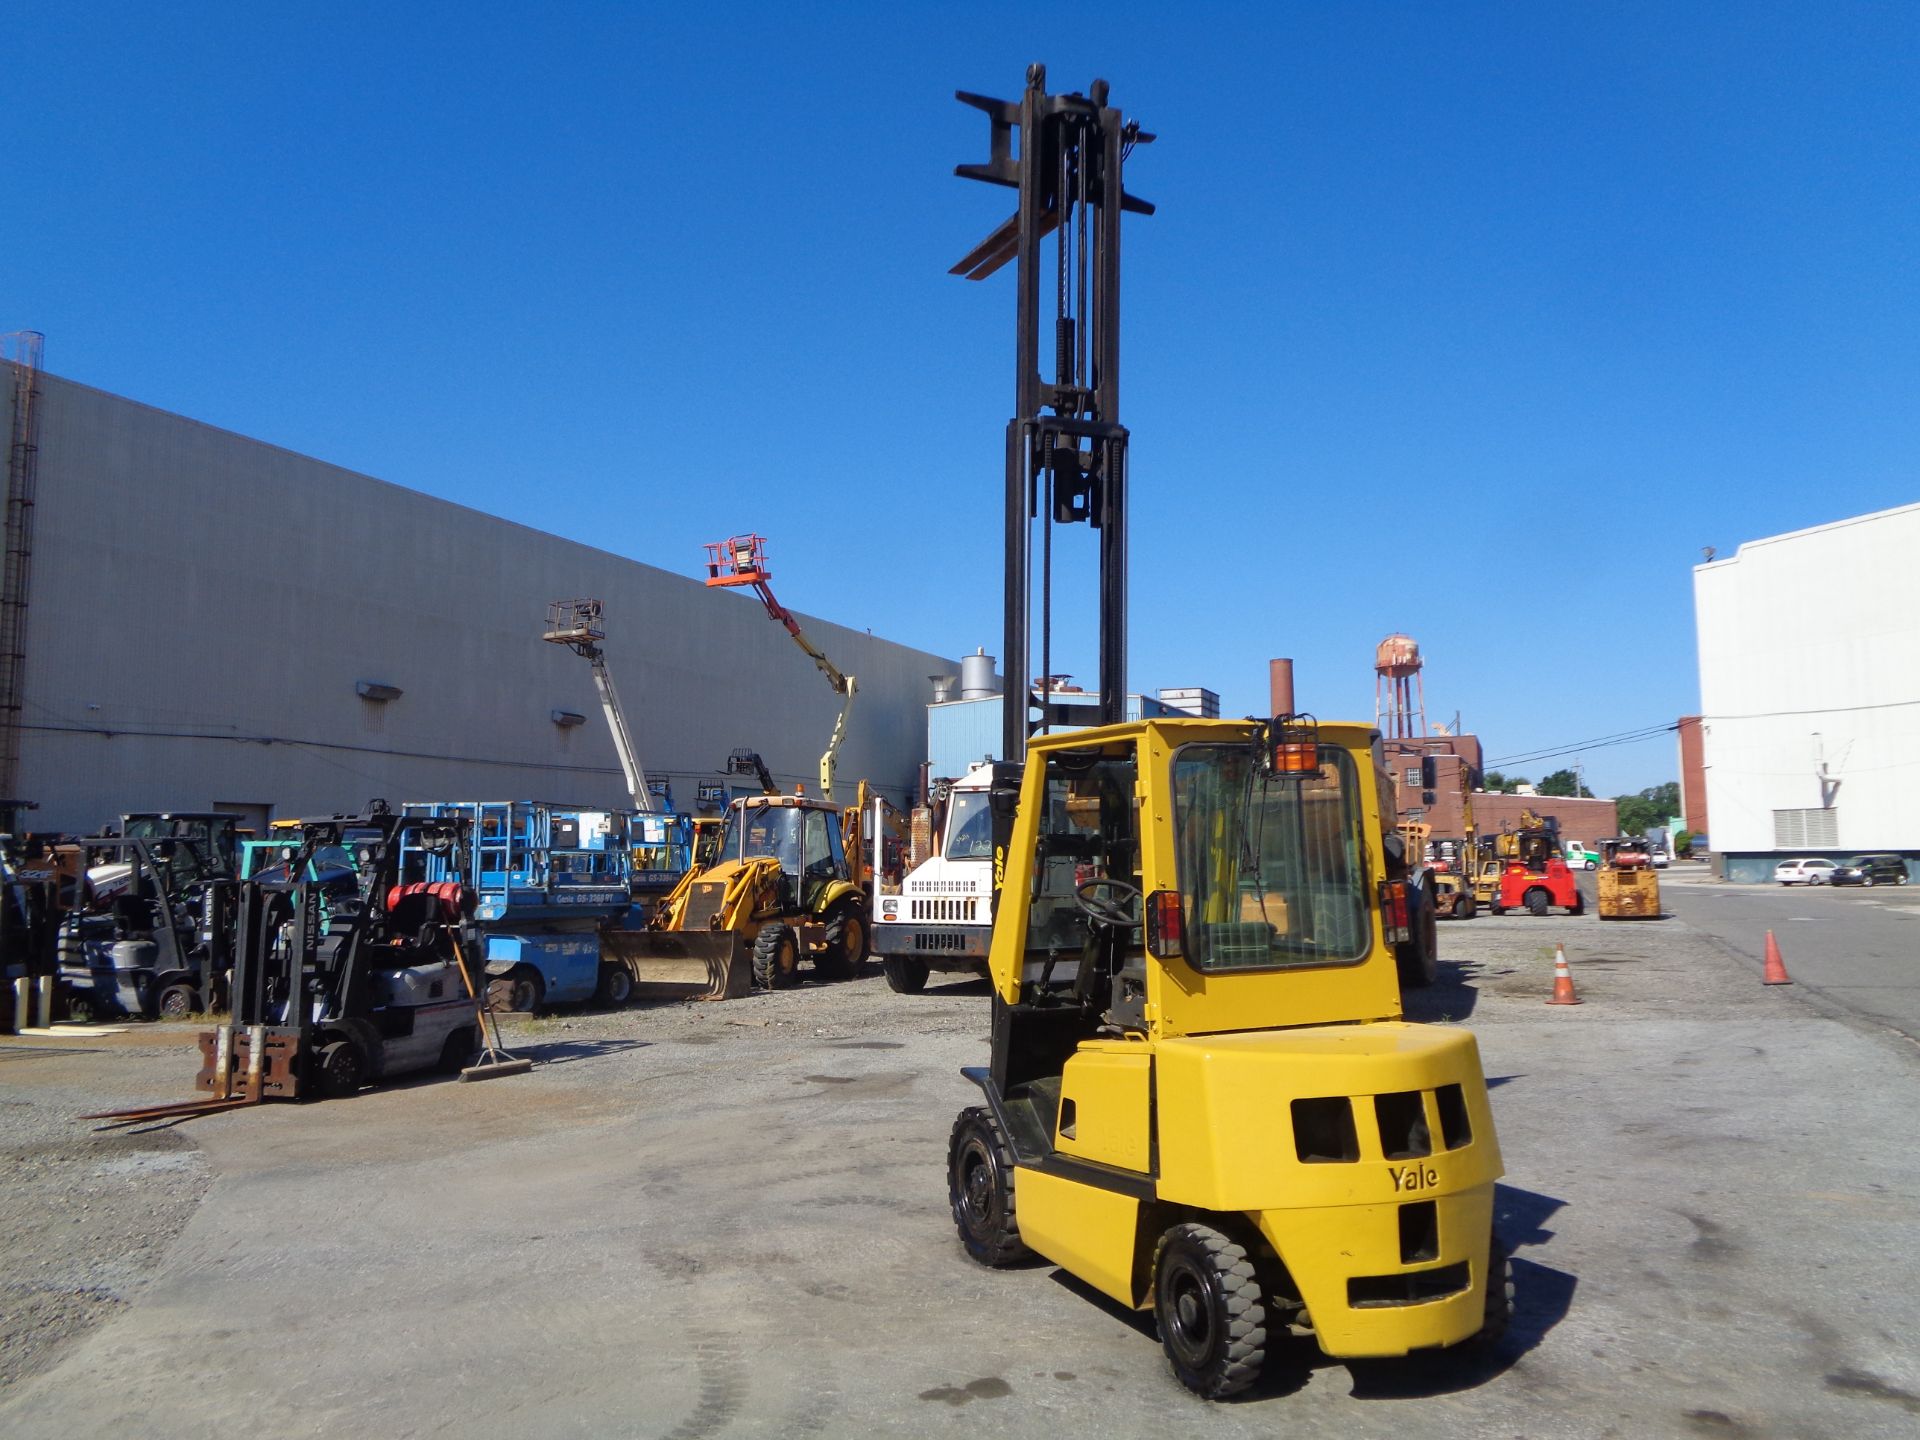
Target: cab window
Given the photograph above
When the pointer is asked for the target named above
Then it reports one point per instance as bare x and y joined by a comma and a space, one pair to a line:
1272, 867
1089, 830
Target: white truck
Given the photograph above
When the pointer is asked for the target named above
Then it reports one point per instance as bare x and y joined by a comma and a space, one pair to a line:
943, 915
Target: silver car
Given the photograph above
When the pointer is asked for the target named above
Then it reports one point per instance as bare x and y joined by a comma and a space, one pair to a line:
1804, 872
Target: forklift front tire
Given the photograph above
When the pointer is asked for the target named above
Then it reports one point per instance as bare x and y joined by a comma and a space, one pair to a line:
177, 1002
776, 958
980, 1189
905, 975
341, 1070
1211, 1311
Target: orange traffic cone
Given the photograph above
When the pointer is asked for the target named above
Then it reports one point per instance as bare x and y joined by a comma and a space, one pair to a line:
1776, 967
1562, 979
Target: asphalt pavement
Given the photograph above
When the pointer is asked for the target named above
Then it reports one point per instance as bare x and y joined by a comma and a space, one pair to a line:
1856, 948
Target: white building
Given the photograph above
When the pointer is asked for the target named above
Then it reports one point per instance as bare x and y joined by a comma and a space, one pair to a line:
1810, 692
215, 622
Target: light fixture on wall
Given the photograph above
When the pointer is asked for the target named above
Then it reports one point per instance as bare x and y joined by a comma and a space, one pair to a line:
375, 691
567, 719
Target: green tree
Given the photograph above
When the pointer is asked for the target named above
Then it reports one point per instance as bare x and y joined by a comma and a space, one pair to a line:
1501, 784
1649, 809
1564, 782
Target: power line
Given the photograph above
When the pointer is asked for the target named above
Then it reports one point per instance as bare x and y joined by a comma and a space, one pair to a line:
1623, 737
1823, 710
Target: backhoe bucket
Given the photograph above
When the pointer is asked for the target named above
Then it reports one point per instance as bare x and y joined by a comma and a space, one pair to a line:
683, 964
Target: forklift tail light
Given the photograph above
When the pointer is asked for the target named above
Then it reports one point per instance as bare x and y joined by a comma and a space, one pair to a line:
1393, 906
1164, 928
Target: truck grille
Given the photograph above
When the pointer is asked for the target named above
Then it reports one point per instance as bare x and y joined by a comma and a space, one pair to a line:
956, 911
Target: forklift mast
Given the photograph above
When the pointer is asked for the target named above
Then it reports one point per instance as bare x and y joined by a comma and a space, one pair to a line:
1066, 447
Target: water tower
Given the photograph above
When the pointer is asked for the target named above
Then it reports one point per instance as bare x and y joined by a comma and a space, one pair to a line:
1399, 699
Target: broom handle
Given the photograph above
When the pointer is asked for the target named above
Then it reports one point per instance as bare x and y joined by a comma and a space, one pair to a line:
486, 1011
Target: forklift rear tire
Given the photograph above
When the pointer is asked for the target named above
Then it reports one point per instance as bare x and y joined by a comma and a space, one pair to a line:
459, 1051
1499, 1312
846, 950
905, 975
341, 1069
1211, 1310
615, 987
776, 958
1538, 902
980, 1189
177, 1002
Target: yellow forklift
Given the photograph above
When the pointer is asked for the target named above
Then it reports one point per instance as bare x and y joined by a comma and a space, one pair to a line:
1629, 888
1202, 1099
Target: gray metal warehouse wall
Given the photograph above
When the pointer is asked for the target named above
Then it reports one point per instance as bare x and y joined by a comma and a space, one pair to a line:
203, 604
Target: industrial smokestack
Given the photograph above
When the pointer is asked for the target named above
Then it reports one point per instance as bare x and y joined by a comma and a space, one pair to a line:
943, 687
1280, 687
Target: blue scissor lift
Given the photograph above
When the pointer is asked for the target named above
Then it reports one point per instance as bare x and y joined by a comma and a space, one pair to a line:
550, 878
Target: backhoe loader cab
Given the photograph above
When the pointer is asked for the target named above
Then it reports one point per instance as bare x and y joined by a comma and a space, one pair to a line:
779, 889
1202, 1097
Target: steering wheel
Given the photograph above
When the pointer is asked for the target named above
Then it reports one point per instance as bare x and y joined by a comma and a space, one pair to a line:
1093, 899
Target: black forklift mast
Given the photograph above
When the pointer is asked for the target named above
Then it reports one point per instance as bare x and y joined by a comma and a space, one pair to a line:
1066, 447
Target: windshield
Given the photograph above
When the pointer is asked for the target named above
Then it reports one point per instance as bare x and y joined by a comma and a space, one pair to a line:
765, 830
969, 827
1271, 867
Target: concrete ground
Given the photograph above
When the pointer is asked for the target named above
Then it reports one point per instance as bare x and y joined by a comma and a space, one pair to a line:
730, 1220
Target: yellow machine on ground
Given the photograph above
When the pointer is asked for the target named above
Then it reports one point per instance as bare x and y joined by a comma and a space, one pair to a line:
1629, 886
778, 890
1203, 1100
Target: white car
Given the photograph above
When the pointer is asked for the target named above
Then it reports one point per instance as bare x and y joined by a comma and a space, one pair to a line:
1804, 872
1660, 857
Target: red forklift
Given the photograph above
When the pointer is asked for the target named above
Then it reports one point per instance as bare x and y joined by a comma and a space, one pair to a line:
1533, 877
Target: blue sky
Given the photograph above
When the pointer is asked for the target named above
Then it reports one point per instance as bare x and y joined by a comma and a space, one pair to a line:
1472, 321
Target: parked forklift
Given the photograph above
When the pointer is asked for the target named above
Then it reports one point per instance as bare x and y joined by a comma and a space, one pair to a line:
1629, 886
1533, 873
370, 988
779, 890
1202, 1100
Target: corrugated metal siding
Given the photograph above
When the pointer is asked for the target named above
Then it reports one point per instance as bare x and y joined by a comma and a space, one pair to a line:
192, 581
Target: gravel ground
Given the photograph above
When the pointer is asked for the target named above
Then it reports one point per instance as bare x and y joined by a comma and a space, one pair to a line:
86, 1217
712, 1220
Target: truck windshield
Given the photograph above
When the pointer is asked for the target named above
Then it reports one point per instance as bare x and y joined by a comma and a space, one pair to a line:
969, 827
1271, 867
767, 830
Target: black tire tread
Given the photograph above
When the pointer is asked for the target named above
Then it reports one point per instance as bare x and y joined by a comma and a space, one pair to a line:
834, 962
905, 975
1004, 1247
767, 973
1245, 1354
1499, 1313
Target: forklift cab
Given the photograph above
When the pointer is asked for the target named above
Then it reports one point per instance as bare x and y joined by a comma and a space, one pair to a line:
1218, 1104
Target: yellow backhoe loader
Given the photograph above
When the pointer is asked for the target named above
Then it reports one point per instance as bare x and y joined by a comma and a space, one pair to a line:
778, 892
